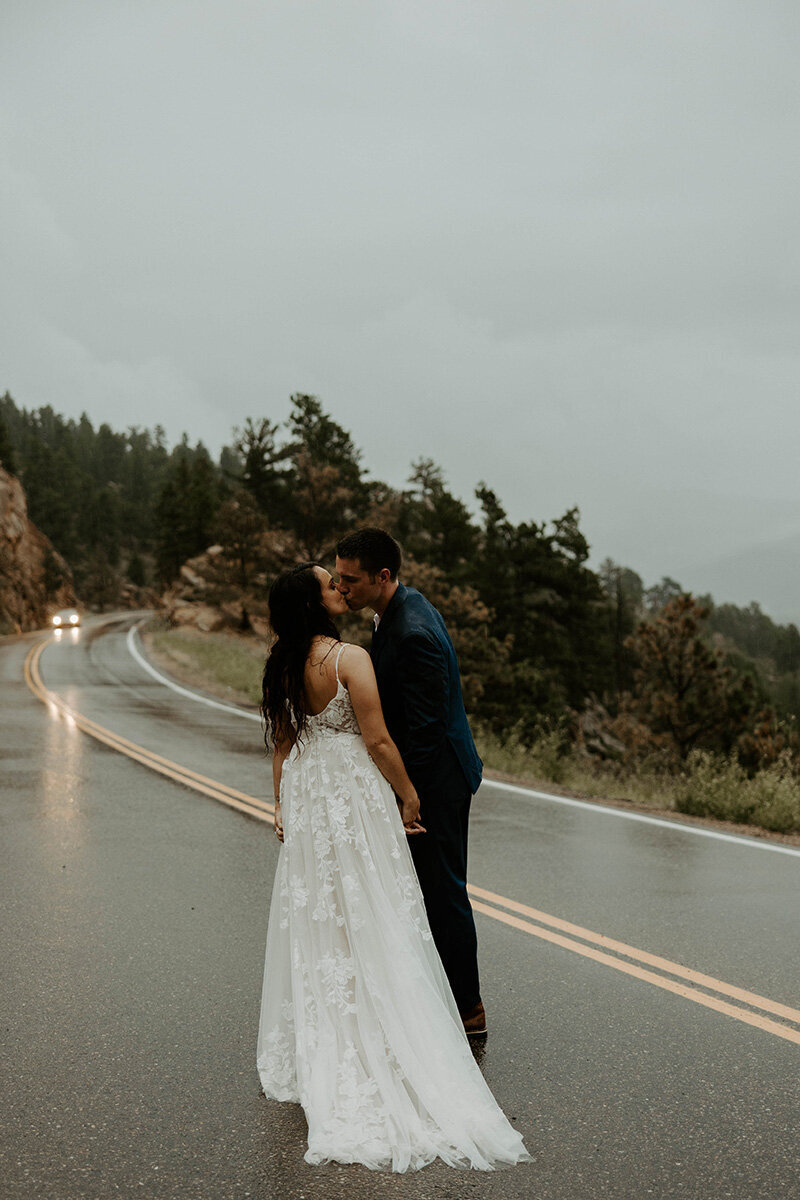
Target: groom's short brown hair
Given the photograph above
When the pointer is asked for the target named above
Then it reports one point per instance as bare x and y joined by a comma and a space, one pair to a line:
374, 549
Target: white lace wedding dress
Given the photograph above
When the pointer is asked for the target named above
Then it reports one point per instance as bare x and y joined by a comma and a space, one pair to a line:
358, 1022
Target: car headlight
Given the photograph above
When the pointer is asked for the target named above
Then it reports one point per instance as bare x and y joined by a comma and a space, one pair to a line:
73, 619
56, 620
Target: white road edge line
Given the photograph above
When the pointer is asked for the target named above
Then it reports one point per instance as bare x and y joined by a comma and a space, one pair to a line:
528, 793
182, 691
676, 826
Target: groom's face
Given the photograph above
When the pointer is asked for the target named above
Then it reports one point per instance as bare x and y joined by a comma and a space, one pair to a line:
359, 588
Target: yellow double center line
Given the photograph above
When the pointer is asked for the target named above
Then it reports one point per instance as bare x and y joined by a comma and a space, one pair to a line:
650, 968
614, 954
165, 766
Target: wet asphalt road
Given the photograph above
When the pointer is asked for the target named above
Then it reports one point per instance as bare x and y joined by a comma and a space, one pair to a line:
133, 938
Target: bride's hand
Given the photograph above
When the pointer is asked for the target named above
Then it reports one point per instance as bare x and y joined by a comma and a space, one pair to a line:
278, 821
409, 813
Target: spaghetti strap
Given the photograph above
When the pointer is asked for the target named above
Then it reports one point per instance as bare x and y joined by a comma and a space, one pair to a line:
342, 648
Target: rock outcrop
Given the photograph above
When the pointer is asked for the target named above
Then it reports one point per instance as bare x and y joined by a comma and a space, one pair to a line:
204, 597
34, 579
595, 734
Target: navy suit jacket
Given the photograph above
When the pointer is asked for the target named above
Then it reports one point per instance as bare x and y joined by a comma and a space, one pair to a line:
420, 689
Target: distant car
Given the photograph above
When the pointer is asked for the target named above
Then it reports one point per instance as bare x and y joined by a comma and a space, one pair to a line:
66, 618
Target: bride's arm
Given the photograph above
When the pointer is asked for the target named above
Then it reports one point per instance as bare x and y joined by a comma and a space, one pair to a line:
279, 755
358, 676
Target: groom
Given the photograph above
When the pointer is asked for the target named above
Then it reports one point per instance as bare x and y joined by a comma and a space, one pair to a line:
420, 689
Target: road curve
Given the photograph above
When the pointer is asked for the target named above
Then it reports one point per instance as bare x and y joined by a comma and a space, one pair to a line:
641, 981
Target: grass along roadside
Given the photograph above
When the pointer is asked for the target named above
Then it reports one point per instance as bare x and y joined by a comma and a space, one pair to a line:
709, 792
226, 665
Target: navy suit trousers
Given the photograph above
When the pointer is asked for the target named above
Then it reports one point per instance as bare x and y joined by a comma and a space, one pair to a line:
440, 858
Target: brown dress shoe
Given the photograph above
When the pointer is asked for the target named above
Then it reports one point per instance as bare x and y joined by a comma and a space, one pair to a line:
475, 1020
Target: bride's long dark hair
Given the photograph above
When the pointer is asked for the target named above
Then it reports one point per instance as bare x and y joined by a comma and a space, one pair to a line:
297, 616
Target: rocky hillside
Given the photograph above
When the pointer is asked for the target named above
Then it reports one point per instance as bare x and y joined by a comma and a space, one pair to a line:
34, 579
205, 597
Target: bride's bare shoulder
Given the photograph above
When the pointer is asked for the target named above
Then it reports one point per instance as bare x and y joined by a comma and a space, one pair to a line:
353, 657
353, 650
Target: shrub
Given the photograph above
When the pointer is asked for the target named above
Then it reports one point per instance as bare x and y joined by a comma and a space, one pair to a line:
546, 755
717, 787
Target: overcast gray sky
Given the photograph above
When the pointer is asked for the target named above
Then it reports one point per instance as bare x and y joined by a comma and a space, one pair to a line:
553, 246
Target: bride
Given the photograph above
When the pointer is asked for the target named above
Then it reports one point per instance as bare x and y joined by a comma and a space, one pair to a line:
358, 1022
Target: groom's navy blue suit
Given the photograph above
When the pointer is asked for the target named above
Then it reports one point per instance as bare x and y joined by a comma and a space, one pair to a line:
420, 689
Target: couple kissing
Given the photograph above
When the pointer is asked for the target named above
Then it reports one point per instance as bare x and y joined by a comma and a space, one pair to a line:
371, 975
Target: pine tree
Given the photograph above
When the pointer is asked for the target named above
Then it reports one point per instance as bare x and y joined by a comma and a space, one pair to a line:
263, 464
435, 526
185, 511
174, 522
685, 695
327, 492
240, 530
136, 570
325, 442
624, 591
8, 459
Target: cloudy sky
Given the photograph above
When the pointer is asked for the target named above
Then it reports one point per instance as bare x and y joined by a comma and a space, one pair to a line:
551, 245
